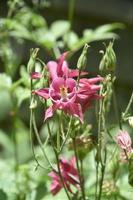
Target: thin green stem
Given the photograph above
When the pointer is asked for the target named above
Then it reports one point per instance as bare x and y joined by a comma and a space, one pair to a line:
98, 147
11, 9
97, 177
58, 140
103, 166
78, 168
129, 105
116, 109
82, 176
32, 146
31, 130
62, 125
40, 142
67, 135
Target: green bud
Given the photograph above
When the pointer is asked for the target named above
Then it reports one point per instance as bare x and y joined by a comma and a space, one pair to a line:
32, 60
108, 62
82, 61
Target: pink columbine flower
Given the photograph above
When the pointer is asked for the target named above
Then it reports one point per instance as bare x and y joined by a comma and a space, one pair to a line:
60, 68
62, 93
35, 75
67, 96
69, 174
123, 139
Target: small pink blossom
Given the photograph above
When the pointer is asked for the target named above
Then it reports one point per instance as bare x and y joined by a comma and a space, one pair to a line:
69, 174
123, 139
35, 75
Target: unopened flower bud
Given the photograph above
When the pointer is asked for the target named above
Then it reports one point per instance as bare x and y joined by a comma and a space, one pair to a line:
108, 61
32, 60
82, 61
130, 120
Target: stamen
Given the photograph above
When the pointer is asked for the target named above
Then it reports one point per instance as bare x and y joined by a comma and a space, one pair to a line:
63, 92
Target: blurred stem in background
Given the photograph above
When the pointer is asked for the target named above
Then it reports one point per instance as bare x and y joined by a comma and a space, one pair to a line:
125, 114
72, 4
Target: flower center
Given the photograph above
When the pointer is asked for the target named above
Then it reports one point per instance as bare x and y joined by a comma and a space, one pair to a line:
63, 92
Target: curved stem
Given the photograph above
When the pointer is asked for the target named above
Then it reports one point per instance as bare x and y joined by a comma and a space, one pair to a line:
129, 105
33, 125
32, 146
40, 142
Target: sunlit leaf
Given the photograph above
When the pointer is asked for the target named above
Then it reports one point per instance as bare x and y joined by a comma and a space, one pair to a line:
71, 38
59, 28
5, 81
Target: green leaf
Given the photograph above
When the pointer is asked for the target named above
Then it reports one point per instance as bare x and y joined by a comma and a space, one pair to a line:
28, 18
101, 33
47, 40
16, 29
3, 195
71, 38
41, 191
5, 104
5, 81
59, 28
109, 27
6, 143
25, 76
21, 94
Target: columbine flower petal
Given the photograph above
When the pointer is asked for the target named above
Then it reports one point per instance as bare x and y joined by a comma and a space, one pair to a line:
52, 68
69, 174
44, 93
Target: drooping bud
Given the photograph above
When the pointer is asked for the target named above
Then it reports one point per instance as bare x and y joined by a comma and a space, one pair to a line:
82, 61
108, 62
32, 60
130, 120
